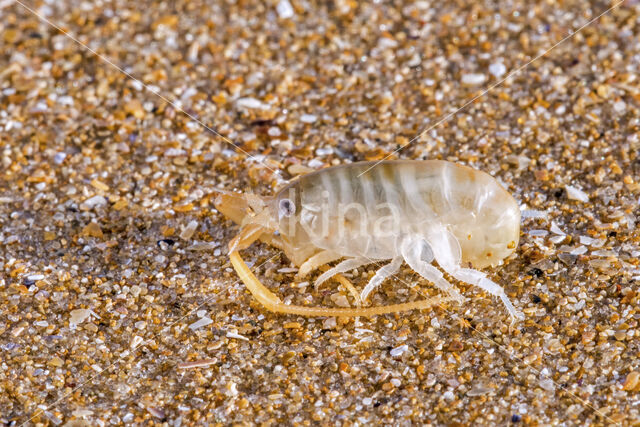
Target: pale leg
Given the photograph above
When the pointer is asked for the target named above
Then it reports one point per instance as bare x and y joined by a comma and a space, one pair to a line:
271, 302
478, 278
446, 251
321, 258
411, 251
349, 287
381, 275
344, 266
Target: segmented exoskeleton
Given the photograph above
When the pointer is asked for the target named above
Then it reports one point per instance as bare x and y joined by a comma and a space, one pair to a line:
398, 211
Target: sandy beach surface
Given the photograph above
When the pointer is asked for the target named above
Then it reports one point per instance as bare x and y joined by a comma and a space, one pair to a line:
119, 120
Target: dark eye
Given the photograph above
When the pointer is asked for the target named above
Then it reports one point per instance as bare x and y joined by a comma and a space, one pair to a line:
286, 207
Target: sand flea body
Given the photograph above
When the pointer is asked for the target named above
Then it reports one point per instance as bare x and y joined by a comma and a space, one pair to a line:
397, 211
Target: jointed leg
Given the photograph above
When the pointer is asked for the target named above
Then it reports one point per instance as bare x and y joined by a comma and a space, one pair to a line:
321, 258
446, 251
344, 266
349, 286
325, 257
272, 302
478, 278
380, 276
411, 251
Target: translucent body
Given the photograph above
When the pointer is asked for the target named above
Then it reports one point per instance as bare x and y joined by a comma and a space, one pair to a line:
399, 198
403, 211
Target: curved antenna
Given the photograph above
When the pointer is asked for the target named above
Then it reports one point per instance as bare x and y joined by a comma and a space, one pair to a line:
271, 302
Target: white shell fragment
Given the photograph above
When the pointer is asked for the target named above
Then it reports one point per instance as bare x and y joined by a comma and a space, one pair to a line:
399, 351
200, 323
203, 246
473, 79
308, 118
136, 341
59, 158
497, 69
284, 9
189, 230
93, 202
80, 315
556, 230
531, 213
252, 104
234, 334
575, 194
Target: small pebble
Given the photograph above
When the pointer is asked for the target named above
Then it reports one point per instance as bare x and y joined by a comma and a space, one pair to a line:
473, 79
252, 103
203, 246
93, 202
329, 323
189, 230
308, 118
156, 412
202, 322
136, 341
315, 163
448, 396
399, 351
78, 316
324, 151
555, 229
233, 334
274, 131
53, 418
340, 300
619, 107
547, 384
632, 381
59, 158
575, 194
530, 213
497, 69
284, 9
